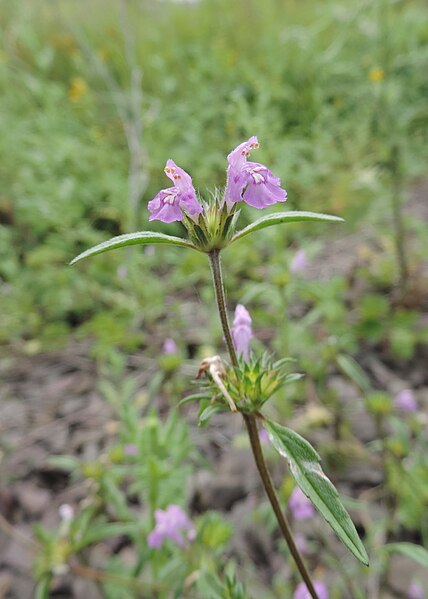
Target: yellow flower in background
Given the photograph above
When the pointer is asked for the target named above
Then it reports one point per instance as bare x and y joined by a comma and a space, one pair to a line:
65, 43
103, 54
78, 88
376, 74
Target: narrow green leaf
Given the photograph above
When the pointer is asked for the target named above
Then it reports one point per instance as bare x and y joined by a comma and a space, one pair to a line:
42, 590
285, 217
354, 371
209, 411
416, 552
291, 377
106, 530
283, 361
194, 397
139, 238
304, 463
64, 462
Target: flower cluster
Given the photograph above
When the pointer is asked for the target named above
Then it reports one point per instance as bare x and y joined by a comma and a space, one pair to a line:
173, 524
250, 182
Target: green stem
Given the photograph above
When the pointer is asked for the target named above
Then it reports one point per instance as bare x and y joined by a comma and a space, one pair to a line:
220, 297
253, 433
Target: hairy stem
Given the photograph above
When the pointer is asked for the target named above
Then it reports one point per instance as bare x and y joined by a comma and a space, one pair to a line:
251, 424
253, 433
220, 297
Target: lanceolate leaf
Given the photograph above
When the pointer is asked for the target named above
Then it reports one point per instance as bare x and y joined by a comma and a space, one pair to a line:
285, 217
416, 552
99, 532
352, 369
139, 238
304, 463
209, 411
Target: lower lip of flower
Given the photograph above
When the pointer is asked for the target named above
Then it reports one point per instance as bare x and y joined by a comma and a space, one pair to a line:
170, 198
257, 175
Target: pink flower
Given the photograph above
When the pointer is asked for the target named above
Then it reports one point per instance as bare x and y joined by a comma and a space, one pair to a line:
173, 524
250, 181
301, 544
242, 331
130, 449
416, 591
263, 436
302, 592
299, 262
169, 346
300, 506
406, 401
66, 512
168, 204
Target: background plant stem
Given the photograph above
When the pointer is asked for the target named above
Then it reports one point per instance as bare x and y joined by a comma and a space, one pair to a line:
251, 424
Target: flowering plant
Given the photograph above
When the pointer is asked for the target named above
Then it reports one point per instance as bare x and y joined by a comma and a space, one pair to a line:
245, 382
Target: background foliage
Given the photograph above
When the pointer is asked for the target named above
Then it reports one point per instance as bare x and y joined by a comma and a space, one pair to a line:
96, 96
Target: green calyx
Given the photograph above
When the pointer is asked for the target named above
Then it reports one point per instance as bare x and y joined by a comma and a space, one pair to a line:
255, 381
250, 385
215, 227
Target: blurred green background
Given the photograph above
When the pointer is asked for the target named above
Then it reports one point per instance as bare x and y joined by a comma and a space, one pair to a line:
95, 96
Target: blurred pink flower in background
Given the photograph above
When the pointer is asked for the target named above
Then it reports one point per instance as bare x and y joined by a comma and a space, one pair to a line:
299, 262
264, 436
300, 506
130, 449
173, 524
301, 544
302, 592
66, 512
169, 346
416, 591
406, 401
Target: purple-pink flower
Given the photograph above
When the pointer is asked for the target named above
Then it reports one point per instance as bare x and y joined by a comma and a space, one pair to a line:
299, 262
242, 331
130, 449
301, 543
169, 346
406, 401
302, 592
250, 181
300, 506
66, 512
416, 591
264, 436
168, 205
173, 524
